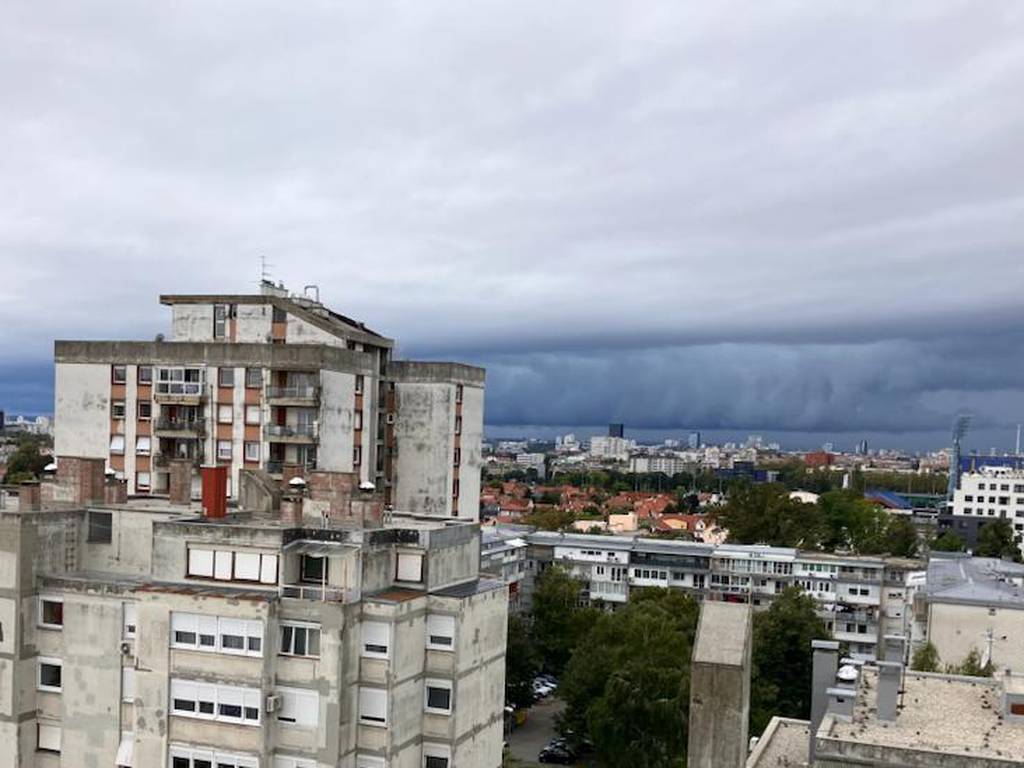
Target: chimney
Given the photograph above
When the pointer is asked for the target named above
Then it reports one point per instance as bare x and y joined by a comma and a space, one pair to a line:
291, 501
889, 676
115, 491
840, 703
894, 648
29, 496
825, 662
1013, 698
720, 687
215, 491
179, 481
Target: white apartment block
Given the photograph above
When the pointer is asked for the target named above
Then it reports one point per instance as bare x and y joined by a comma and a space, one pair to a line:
669, 465
280, 384
991, 493
860, 599
611, 448
152, 635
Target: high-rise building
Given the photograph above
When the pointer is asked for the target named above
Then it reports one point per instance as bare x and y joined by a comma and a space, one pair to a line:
278, 383
301, 628
616, 430
693, 441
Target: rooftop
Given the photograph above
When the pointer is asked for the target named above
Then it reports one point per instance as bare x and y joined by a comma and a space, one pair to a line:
784, 744
956, 578
942, 714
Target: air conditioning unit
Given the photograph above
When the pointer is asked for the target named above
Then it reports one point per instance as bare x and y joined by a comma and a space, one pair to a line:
126, 648
273, 702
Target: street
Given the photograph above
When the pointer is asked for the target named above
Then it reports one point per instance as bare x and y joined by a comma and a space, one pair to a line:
528, 740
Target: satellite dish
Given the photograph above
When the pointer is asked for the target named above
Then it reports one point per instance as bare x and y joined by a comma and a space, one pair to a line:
367, 486
51, 467
297, 482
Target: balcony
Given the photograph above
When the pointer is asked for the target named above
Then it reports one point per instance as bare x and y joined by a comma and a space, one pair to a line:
318, 593
163, 460
277, 466
179, 392
298, 395
291, 433
181, 428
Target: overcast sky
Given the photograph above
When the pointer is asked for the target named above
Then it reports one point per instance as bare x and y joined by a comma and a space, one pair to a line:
765, 216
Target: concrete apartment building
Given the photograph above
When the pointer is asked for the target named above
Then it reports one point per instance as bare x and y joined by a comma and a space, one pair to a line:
303, 629
984, 494
280, 383
973, 603
860, 599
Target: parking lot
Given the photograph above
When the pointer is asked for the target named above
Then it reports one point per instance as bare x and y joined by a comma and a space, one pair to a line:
527, 741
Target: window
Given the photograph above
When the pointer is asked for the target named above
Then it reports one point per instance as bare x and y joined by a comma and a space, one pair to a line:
145, 409
300, 640
357, 423
373, 706
200, 562
226, 565
240, 636
312, 569
458, 425
357, 456
359, 384
224, 450
440, 632
117, 409
225, 377
48, 737
224, 703
117, 444
438, 698
253, 378
143, 445
225, 414
455, 488
100, 527
436, 756
458, 393
51, 612
252, 414
189, 757
458, 457
409, 567
220, 320
131, 620
145, 374
376, 639
299, 707
252, 451
49, 674
118, 374
128, 684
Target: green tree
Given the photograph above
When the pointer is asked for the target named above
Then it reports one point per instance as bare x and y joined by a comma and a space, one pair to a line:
521, 664
550, 518
998, 539
971, 666
852, 522
765, 514
627, 684
901, 537
926, 659
781, 659
558, 619
26, 463
948, 542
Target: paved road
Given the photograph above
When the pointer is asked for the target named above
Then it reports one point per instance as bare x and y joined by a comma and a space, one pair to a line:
526, 741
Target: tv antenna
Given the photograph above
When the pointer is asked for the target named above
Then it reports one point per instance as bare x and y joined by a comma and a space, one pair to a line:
265, 270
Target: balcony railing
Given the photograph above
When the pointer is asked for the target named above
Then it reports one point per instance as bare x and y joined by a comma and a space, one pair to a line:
304, 392
318, 593
177, 424
276, 467
291, 430
179, 388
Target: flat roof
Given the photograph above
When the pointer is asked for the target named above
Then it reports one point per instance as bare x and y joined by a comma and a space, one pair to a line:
723, 634
943, 714
974, 580
785, 743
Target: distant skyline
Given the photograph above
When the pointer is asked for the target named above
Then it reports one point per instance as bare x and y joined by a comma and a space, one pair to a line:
784, 218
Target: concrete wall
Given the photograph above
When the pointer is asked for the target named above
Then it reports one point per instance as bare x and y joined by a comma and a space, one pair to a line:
955, 629
300, 332
82, 410
192, 322
424, 432
253, 323
337, 398
472, 458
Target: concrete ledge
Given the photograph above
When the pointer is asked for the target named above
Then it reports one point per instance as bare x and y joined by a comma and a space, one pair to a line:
417, 372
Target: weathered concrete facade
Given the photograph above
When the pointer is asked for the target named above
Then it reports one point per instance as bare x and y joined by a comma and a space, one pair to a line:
145, 634
278, 383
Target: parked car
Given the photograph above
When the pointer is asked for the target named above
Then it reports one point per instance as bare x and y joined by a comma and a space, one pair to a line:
553, 753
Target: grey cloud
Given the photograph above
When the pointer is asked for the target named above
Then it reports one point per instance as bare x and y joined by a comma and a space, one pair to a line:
783, 203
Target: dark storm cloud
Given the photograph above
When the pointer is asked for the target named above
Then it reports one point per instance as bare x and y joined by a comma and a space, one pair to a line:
781, 213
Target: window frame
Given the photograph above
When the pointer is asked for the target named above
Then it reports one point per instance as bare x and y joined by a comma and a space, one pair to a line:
40, 621
438, 685
293, 627
118, 373
369, 694
93, 530
49, 661
374, 628
441, 621
246, 453
51, 729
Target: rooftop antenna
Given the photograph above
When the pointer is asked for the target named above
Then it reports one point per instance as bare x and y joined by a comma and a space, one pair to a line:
264, 270
1017, 452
